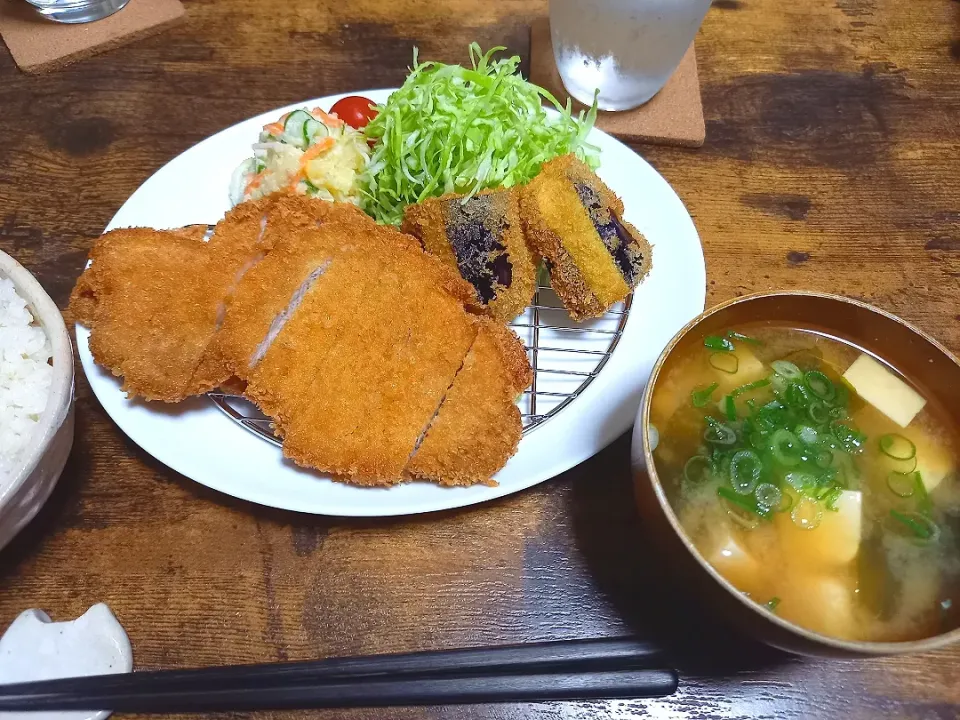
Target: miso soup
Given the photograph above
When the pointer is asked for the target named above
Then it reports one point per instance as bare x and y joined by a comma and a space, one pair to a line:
814, 478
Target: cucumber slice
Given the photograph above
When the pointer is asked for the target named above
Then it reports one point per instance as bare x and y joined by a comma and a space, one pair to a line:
313, 130
293, 128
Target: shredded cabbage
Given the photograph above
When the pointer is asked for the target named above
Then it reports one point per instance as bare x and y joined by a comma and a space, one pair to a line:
456, 129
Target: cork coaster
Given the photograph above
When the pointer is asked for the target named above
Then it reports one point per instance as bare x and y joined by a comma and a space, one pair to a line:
673, 117
38, 44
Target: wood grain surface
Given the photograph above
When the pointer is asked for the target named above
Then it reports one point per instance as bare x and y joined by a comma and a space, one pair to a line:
832, 162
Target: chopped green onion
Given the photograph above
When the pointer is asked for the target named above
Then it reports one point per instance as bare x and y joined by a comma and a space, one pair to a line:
720, 434
786, 503
841, 397
700, 398
850, 439
818, 412
923, 499
785, 447
745, 469
820, 385
729, 408
920, 526
906, 466
831, 497
742, 502
803, 483
749, 386
734, 335
799, 395
823, 459
807, 434
697, 469
724, 362
901, 484
720, 344
806, 514
768, 495
772, 603
897, 446
786, 369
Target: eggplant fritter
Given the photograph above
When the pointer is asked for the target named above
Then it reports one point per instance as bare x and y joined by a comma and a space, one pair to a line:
482, 237
575, 222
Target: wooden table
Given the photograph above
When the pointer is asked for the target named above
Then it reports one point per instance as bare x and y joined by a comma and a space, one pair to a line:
832, 162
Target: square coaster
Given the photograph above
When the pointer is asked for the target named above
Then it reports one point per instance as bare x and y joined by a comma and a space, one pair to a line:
674, 116
38, 44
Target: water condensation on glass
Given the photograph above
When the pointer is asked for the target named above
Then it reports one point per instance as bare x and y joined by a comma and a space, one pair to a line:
77, 11
627, 49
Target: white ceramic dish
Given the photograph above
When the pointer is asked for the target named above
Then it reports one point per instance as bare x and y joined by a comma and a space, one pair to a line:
41, 464
197, 440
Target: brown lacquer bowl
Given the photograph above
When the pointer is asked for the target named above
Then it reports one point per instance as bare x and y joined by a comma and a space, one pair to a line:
915, 354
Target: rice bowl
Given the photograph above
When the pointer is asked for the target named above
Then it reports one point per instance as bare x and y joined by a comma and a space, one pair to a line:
36, 397
25, 377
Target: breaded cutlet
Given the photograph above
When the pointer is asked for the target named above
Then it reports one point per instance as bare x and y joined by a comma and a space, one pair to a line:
482, 237
355, 342
147, 301
274, 288
478, 426
147, 295
361, 366
575, 222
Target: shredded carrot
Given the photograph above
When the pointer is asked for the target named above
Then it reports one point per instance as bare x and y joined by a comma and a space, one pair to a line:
274, 128
254, 182
311, 153
316, 150
329, 119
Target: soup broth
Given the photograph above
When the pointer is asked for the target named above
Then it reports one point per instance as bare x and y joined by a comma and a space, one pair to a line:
815, 479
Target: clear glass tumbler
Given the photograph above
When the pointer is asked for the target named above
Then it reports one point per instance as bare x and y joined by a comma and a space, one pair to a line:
77, 11
626, 49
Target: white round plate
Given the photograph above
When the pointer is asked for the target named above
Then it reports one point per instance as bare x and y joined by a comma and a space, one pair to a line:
198, 440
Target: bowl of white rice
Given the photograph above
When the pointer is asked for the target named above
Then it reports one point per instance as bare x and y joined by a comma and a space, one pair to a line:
36, 396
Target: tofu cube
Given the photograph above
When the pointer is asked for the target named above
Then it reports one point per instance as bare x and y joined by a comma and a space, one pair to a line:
834, 543
934, 459
731, 559
749, 370
884, 390
824, 603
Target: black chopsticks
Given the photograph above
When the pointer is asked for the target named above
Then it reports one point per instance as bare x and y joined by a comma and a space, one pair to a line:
564, 670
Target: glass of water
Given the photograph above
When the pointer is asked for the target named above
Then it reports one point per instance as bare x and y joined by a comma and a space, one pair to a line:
626, 49
77, 11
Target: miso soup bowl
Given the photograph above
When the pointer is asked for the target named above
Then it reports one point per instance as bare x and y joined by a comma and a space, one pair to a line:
918, 356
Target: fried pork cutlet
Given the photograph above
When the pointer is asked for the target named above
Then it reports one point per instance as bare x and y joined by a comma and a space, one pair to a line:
147, 302
153, 300
372, 339
355, 342
576, 223
482, 237
478, 426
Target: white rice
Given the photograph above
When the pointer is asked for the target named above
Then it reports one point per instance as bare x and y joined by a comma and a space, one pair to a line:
25, 377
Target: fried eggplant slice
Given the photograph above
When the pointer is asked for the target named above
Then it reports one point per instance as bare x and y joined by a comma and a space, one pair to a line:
482, 237
575, 222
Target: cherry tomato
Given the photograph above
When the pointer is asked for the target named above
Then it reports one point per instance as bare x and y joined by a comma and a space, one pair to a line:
354, 110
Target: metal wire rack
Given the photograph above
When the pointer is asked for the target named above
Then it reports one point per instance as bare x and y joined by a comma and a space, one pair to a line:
565, 355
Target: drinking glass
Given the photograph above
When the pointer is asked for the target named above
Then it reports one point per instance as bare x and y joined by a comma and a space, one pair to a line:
626, 49
77, 11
